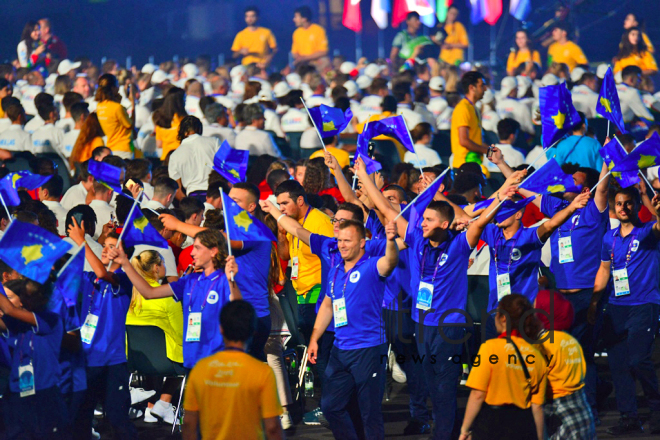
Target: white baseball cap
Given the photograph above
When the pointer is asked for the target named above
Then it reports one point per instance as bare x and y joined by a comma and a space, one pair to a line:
347, 67
351, 88
549, 80
281, 89
237, 71
601, 70
159, 76
363, 82
437, 83
524, 83
294, 80
149, 68
66, 66
576, 74
372, 70
488, 97
618, 77
266, 95
190, 70
507, 85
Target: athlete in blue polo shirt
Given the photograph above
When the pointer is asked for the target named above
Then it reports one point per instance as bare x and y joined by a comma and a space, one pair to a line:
630, 259
103, 314
202, 293
354, 297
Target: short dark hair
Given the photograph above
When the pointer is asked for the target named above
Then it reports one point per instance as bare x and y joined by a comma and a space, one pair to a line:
252, 9
71, 98
354, 224
213, 191
471, 79
358, 213
389, 104
138, 169
250, 188
563, 26
506, 127
276, 177
443, 208
88, 216
8, 101
14, 112
466, 182
304, 12
293, 188
629, 71
632, 192
55, 186
45, 110
98, 151
115, 161
189, 123
400, 90
400, 191
124, 205
214, 219
78, 110
413, 14
593, 176
43, 98
191, 206
238, 321
165, 185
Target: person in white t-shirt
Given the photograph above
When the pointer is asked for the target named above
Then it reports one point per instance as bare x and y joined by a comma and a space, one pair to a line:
37, 121
50, 194
422, 99
371, 103
295, 119
15, 138
585, 93
507, 131
79, 112
423, 156
77, 194
489, 117
402, 92
218, 124
632, 103
165, 190
253, 138
101, 206
48, 138
189, 163
508, 105
67, 123
317, 85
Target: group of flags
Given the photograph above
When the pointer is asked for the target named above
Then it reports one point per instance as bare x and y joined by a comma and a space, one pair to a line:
22, 179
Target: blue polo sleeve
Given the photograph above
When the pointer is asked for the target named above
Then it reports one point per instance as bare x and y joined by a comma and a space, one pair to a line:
179, 287
606, 248
551, 205
317, 242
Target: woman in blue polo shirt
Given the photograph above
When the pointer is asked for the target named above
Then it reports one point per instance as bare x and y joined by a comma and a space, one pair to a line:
104, 306
33, 408
202, 293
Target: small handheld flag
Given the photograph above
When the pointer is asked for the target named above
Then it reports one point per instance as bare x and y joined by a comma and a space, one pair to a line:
31, 250
646, 154
613, 154
28, 180
558, 116
394, 127
330, 121
241, 225
608, 104
230, 163
138, 230
8, 190
415, 209
107, 174
362, 151
510, 207
550, 179
68, 278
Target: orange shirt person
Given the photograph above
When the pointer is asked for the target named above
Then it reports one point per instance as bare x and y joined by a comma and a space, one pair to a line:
113, 117
89, 138
255, 44
310, 42
167, 120
633, 51
563, 50
631, 21
453, 48
523, 54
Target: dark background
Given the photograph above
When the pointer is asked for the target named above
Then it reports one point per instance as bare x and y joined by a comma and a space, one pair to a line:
164, 28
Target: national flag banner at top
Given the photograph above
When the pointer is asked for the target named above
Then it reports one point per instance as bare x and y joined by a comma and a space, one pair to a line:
138, 230
31, 250
520, 9
558, 115
550, 179
608, 104
28, 180
613, 154
646, 154
230, 163
352, 17
330, 121
241, 225
487, 10
394, 127
107, 174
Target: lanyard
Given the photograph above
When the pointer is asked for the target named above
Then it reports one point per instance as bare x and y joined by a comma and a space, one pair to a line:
302, 226
476, 112
628, 254
91, 295
348, 275
570, 232
437, 263
497, 244
205, 296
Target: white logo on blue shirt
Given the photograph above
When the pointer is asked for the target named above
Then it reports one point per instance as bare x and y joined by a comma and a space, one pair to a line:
635, 246
213, 297
355, 277
516, 254
575, 220
443, 259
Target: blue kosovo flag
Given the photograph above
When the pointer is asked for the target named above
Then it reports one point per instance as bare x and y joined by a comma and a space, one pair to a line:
69, 281
8, 190
613, 154
550, 179
646, 154
394, 127
230, 163
241, 226
330, 121
608, 105
107, 174
510, 207
138, 230
362, 150
558, 116
30, 250
28, 180
414, 211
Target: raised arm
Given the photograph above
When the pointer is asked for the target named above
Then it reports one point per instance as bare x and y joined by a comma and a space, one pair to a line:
546, 229
477, 227
513, 180
146, 290
656, 210
17, 313
344, 187
77, 234
287, 223
600, 197
498, 159
387, 263
174, 224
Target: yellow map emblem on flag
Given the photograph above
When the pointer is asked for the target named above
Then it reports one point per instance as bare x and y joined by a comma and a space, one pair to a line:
556, 188
31, 253
606, 103
559, 119
235, 174
327, 126
14, 179
141, 223
646, 161
243, 220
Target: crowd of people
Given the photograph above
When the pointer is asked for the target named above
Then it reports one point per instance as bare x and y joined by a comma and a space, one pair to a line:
365, 290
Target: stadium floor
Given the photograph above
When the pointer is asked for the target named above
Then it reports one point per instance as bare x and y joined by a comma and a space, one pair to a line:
395, 413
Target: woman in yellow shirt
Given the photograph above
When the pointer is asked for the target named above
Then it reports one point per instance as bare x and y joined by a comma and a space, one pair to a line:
508, 379
89, 138
456, 42
523, 53
114, 120
166, 314
634, 52
167, 120
630, 22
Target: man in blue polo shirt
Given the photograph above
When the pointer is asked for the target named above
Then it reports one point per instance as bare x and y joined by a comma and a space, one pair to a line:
354, 297
630, 258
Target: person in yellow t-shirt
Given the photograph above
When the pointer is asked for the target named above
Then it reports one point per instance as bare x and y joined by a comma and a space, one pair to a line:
563, 50
567, 412
634, 52
508, 379
114, 120
167, 315
167, 120
255, 44
631, 21
524, 53
342, 156
310, 43
453, 48
231, 395
305, 266
466, 139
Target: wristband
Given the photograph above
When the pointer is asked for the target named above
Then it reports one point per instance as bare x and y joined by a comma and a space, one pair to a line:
497, 194
280, 218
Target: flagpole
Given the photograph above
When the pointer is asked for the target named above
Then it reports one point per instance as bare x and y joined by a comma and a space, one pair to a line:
647, 181
224, 214
542, 154
608, 128
314, 123
6, 209
82, 246
410, 204
130, 213
604, 177
364, 130
413, 144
